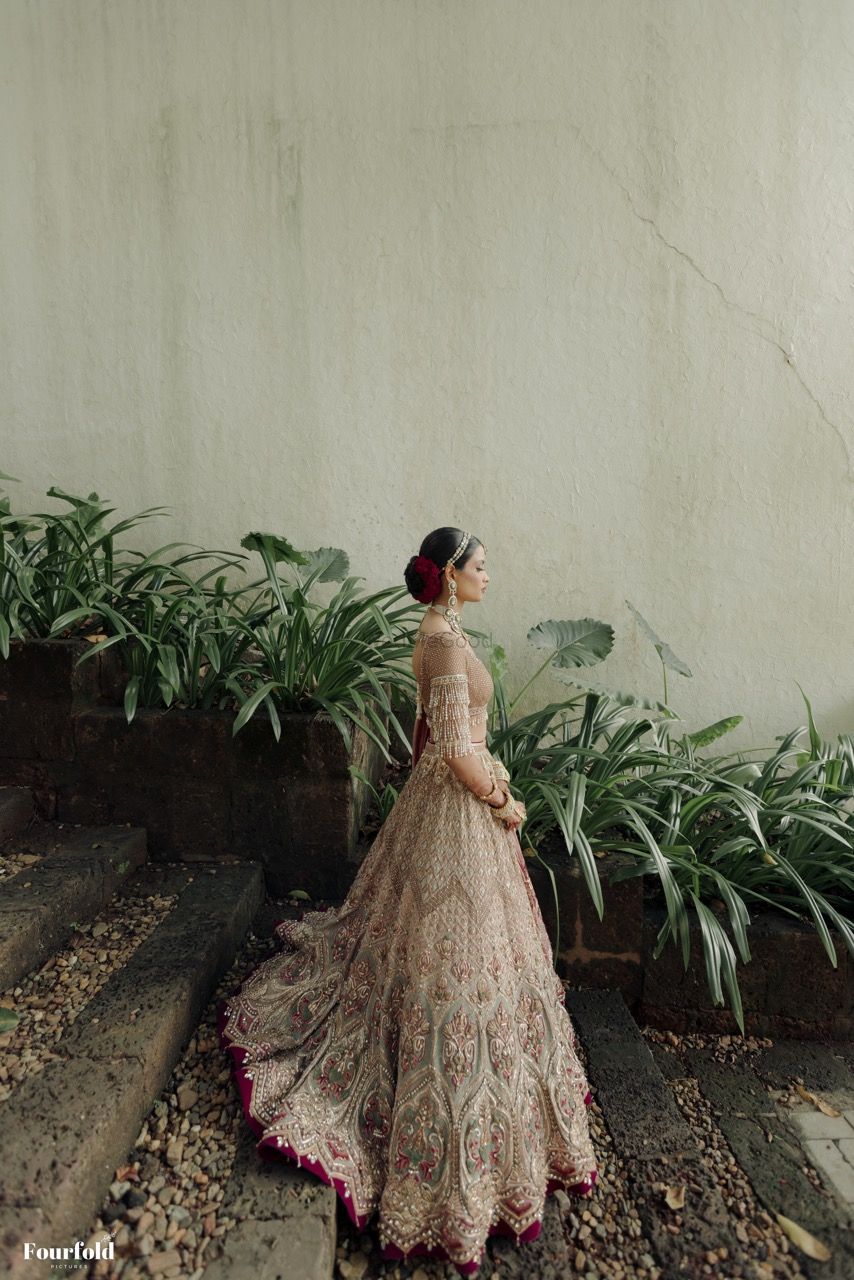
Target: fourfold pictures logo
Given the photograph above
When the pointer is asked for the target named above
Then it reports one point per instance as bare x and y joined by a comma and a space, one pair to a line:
68, 1257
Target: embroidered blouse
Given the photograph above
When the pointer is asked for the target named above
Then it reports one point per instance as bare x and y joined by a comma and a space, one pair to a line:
454, 688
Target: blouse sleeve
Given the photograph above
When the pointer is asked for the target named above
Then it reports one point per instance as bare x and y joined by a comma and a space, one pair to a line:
448, 705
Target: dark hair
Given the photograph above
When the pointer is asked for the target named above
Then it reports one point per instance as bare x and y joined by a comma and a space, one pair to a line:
437, 547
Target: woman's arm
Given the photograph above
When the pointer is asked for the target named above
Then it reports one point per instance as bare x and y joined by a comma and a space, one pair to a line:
472, 773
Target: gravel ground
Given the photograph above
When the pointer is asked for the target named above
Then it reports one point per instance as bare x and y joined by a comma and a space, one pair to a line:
165, 1200
772, 1255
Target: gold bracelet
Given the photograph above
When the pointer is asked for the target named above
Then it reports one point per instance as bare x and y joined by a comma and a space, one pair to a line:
486, 794
507, 809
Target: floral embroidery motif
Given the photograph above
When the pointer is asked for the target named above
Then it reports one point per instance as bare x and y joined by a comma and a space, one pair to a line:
419, 1147
376, 1115
458, 1048
462, 969
413, 1038
500, 1032
532, 1024
337, 1074
359, 987
485, 1145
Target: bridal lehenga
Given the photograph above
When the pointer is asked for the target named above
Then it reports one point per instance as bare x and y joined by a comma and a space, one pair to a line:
412, 1047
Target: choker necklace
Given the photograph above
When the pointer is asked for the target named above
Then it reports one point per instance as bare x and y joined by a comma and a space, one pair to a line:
451, 616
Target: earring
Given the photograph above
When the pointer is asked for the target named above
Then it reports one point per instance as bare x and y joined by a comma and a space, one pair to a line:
452, 598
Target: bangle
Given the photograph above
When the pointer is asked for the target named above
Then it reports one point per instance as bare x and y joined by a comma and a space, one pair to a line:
487, 794
507, 809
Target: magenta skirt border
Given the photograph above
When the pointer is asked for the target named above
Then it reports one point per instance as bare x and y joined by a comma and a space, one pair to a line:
270, 1148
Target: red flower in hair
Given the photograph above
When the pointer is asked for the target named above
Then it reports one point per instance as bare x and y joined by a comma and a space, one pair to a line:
430, 572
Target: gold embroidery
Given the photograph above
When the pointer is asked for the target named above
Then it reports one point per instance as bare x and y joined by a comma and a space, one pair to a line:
414, 1042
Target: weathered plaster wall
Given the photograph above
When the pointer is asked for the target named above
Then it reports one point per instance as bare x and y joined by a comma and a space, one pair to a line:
574, 274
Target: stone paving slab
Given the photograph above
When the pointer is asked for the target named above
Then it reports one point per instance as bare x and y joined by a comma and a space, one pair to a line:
286, 1227
748, 1115
652, 1136
549, 1257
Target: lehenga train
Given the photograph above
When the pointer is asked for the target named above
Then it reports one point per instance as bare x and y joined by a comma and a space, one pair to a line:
412, 1047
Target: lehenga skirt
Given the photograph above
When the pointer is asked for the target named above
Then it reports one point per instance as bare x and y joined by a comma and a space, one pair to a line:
412, 1047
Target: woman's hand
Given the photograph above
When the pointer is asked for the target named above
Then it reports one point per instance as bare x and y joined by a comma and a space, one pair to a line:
504, 795
518, 818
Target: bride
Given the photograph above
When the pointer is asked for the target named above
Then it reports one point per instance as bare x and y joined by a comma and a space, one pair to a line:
412, 1047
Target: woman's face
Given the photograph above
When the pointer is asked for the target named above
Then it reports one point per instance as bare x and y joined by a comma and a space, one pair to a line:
472, 578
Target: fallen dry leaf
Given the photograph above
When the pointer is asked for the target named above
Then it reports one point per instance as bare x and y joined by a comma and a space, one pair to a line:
675, 1196
805, 1242
100, 635
823, 1106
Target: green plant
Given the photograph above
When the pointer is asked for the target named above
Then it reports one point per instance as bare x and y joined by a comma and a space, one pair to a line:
344, 657
723, 831
384, 800
50, 563
186, 642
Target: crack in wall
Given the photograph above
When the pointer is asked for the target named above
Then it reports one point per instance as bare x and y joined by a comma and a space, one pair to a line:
766, 331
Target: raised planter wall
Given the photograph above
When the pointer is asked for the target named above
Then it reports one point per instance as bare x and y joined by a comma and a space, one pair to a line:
789, 987
199, 791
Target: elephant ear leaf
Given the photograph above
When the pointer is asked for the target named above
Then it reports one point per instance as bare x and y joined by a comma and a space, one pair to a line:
668, 657
327, 564
623, 699
273, 547
577, 643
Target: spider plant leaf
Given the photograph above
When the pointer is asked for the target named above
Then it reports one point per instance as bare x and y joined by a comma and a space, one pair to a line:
577, 643
131, 697
364, 779
339, 721
274, 717
703, 737
251, 703
167, 663
665, 653
815, 736
738, 913
718, 953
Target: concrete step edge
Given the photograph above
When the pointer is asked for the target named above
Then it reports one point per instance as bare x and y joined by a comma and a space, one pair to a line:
72, 1124
72, 884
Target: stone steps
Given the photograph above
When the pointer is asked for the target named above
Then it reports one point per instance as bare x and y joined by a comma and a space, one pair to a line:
649, 1131
67, 1128
286, 1221
657, 1145
74, 879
